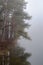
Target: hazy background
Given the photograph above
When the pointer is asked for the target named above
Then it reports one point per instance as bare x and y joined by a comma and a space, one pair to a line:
35, 8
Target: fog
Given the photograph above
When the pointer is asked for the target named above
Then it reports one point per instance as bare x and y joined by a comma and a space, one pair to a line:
35, 47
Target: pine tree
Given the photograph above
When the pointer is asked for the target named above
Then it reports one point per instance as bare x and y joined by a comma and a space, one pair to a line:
12, 21
18, 56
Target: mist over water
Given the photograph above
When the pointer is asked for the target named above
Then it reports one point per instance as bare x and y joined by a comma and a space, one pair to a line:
35, 47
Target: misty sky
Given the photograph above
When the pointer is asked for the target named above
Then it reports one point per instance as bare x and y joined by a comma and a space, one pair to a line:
35, 8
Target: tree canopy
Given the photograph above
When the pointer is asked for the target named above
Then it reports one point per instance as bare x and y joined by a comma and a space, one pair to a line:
12, 25
17, 56
12, 19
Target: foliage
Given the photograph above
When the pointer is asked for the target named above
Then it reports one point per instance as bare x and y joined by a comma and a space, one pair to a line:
12, 25
18, 57
12, 19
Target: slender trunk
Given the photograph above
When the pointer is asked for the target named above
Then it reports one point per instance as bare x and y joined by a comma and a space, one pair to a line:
8, 58
3, 60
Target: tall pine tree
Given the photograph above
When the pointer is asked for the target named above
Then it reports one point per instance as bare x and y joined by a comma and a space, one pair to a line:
12, 21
